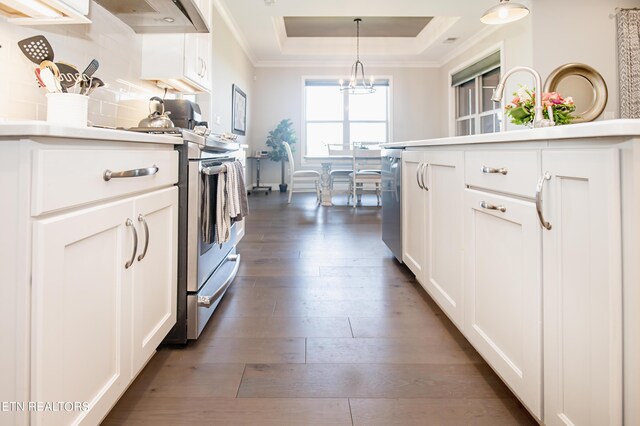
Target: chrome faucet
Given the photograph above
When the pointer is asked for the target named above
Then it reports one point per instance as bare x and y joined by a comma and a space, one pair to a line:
538, 118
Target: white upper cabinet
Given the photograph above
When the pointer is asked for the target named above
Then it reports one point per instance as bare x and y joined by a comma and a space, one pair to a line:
45, 12
181, 62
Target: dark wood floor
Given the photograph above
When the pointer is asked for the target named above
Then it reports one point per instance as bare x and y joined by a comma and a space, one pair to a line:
322, 326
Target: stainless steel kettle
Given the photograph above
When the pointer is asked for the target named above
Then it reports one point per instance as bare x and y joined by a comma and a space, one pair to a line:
157, 116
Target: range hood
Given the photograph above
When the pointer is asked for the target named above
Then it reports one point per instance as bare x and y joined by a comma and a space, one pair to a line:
158, 16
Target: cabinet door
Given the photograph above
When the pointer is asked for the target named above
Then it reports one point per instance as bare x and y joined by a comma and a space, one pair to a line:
503, 290
81, 312
582, 288
154, 272
444, 179
413, 213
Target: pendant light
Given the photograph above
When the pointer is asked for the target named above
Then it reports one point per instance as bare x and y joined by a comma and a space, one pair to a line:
504, 13
358, 84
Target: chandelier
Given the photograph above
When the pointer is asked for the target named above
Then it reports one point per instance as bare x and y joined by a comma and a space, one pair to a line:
358, 84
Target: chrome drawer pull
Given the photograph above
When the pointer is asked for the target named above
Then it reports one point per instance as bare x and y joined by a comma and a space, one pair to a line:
418, 175
501, 170
146, 241
543, 222
108, 174
424, 173
129, 222
488, 206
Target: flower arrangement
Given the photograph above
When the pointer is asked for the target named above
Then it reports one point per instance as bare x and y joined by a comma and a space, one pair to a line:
522, 112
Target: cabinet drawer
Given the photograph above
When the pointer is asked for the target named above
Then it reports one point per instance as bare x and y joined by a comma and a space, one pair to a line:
511, 172
68, 178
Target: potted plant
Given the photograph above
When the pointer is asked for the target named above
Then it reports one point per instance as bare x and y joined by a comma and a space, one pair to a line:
283, 132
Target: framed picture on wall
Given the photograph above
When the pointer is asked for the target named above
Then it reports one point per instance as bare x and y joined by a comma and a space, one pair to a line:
238, 112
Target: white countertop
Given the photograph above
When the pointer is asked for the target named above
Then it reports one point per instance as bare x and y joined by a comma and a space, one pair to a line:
573, 131
22, 129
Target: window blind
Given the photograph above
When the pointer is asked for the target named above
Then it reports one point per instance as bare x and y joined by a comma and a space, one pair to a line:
487, 64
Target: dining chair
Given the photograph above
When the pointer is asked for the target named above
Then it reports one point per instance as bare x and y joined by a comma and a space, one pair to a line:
366, 175
301, 176
342, 174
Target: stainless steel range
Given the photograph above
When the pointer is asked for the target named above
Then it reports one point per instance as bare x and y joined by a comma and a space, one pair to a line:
205, 271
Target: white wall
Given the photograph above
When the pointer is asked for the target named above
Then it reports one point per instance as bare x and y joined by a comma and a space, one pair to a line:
581, 31
230, 65
115, 45
278, 94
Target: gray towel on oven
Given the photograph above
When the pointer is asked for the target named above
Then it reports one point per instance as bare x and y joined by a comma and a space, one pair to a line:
242, 194
223, 220
208, 206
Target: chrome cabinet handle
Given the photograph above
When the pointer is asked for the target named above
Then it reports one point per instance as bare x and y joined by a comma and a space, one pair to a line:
488, 206
108, 174
501, 170
418, 175
543, 222
129, 222
146, 241
424, 172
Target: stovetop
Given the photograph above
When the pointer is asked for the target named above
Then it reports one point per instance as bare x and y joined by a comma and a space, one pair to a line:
201, 136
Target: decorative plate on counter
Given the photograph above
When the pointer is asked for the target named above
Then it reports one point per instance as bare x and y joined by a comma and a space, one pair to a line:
584, 84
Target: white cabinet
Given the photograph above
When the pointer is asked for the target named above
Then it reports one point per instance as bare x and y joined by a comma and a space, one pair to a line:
413, 213
179, 61
104, 297
582, 288
432, 197
46, 12
81, 306
444, 239
91, 305
503, 290
154, 273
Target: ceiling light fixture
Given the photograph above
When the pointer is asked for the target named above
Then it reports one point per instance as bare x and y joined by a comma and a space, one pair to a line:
358, 84
504, 13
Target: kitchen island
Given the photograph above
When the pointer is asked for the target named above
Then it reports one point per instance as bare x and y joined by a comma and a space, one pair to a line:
529, 241
87, 265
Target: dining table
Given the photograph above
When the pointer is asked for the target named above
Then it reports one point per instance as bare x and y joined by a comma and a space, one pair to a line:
327, 162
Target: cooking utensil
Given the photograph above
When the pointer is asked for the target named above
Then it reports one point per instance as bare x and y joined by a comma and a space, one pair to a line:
40, 82
50, 81
91, 68
53, 68
68, 75
157, 116
95, 83
36, 49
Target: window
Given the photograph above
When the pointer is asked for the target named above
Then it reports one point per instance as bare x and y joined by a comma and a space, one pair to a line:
335, 118
475, 112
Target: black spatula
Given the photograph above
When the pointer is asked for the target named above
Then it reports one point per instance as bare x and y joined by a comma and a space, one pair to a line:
36, 49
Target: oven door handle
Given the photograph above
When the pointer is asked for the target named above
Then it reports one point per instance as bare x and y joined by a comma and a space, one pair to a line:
208, 300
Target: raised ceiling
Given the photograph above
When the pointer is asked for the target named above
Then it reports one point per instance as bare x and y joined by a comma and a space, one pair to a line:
322, 33
339, 26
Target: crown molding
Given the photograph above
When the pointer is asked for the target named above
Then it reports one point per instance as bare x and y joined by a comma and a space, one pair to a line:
344, 64
235, 31
468, 44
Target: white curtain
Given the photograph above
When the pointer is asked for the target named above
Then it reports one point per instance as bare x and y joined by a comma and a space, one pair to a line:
629, 62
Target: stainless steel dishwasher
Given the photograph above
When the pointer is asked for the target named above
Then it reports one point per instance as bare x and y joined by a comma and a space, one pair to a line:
391, 200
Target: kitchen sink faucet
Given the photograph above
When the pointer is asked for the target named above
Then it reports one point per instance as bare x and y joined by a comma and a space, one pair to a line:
538, 119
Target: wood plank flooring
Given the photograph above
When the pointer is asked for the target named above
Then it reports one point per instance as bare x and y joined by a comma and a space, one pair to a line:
322, 326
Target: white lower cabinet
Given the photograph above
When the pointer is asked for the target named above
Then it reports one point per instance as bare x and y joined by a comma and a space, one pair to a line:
444, 239
432, 197
522, 248
413, 213
81, 303
582, 288
503, 290
103, 297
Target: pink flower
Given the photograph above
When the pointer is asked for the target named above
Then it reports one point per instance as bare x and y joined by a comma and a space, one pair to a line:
516, 100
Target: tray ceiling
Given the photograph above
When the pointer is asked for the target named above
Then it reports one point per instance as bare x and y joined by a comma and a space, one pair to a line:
339, 26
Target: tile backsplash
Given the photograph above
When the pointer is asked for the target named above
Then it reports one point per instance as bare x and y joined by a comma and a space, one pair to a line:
123, 102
